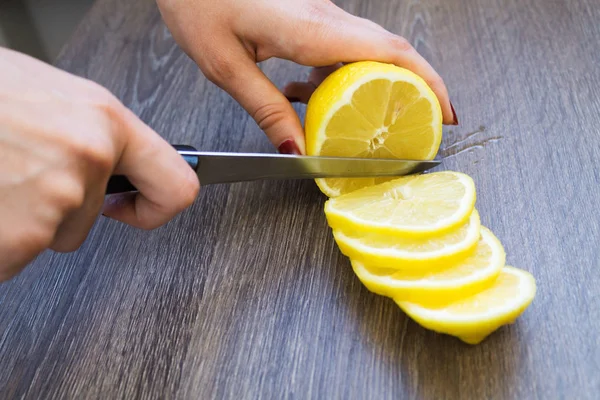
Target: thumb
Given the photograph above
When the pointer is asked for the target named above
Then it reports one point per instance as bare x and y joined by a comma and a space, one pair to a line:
166, 184
271, 110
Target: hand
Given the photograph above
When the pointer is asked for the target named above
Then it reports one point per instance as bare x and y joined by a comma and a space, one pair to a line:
61, 138
227, 38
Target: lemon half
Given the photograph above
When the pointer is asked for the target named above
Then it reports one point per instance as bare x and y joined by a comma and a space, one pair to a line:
372, 109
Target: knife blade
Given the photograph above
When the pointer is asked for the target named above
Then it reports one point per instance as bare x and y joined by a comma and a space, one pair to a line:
219, 167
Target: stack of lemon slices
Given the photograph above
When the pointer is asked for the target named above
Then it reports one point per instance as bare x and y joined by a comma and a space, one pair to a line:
417, 239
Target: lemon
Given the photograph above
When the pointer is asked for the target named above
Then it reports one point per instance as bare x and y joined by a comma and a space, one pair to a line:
371, 109
417, 239
411, 253
414, 205
460, 279
475, 317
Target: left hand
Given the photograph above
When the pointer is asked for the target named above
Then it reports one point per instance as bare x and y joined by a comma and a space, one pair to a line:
227, 38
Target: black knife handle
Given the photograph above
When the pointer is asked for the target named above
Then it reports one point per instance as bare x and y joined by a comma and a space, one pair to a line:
120, 183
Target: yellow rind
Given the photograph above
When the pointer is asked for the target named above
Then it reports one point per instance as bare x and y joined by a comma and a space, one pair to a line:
338, 220
419, 287
474, 328
411, 261
337, 90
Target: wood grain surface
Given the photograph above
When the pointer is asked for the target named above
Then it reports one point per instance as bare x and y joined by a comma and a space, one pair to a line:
245, 295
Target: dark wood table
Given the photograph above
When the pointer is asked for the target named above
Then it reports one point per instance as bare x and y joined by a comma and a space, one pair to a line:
245, 295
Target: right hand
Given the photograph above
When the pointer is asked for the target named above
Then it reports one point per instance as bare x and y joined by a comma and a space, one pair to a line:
227, 38
61, 138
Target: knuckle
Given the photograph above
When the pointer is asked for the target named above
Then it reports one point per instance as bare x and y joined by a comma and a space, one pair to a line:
95, 149
316, 26
319, 11
185, 195
102, 98
219, 69
66, 191
188, 192
97, 153
399, 44
99, 94
104, 101
435, 82
269, 115
110, 105
96, 146
157, 214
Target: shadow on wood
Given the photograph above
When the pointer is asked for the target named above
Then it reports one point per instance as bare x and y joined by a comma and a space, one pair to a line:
424, 363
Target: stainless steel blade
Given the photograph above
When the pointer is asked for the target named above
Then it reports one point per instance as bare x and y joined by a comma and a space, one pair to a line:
238, 167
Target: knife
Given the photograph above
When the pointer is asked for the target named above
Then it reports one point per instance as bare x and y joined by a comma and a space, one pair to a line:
216, 167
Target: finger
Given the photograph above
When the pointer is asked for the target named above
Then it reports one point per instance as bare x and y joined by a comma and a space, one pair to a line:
299, 91
25, 235
75, 228
166, 184
342, 37
78, 221
271, 110
318, 74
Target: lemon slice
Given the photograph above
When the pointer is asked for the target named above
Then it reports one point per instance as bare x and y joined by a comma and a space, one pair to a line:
371, 109
406, 253
474, 318
412, 205
461, 279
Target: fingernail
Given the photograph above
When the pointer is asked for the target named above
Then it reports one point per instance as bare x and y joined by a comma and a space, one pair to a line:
455, 120
289, 147
293, 99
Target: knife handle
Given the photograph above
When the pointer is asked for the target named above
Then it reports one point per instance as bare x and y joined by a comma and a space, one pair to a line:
120, 183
